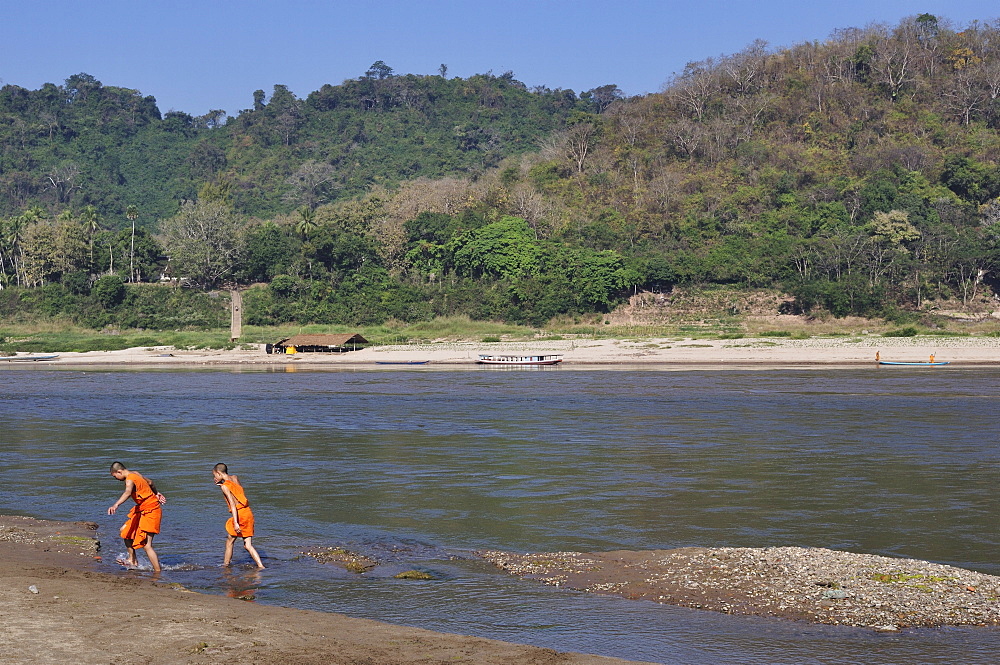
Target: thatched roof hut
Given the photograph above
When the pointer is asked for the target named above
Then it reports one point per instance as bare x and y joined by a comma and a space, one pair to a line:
319, 343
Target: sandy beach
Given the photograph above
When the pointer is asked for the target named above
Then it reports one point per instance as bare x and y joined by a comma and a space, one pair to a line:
57, 609
662, 353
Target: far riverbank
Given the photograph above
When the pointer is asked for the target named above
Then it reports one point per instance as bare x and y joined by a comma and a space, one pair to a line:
657, 353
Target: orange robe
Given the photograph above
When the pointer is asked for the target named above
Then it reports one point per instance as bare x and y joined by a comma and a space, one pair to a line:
144, 518
243, 511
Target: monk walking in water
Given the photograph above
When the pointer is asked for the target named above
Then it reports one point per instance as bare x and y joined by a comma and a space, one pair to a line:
240, 525
144, 519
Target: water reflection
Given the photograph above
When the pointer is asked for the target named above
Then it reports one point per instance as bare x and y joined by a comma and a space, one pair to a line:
241, 584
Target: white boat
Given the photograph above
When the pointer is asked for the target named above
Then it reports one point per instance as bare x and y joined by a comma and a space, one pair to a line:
493, 359
28, 359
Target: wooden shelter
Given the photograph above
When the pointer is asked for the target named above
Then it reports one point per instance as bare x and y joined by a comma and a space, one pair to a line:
318, 344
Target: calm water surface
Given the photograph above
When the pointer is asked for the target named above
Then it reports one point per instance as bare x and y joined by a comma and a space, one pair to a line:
419, 468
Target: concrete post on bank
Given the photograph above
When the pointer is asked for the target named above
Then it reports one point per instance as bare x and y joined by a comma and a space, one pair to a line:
236, 321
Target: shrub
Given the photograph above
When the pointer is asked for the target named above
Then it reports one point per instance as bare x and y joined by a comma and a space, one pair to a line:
109, 291
908, 331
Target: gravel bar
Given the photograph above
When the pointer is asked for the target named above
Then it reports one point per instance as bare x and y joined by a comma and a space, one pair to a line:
810, 584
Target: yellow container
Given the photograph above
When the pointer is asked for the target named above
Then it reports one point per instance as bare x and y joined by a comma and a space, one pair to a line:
290, 350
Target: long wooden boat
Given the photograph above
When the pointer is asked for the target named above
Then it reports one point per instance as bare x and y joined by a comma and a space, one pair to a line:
28, 359
493, 359
924, 364
401, 362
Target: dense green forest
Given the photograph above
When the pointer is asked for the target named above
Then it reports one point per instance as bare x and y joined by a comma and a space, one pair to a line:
861, 175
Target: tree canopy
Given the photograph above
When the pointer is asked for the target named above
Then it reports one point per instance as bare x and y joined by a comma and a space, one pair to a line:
860, 174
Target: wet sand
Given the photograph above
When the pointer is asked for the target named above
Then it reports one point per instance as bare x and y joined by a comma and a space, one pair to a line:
57, 609
661, 353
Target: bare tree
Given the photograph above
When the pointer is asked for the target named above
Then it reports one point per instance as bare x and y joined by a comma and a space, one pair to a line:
893, 61
202, 241
965, 94
312, 183
688, 136
580, 139
746, 68
696, 87
532, 207
62, 180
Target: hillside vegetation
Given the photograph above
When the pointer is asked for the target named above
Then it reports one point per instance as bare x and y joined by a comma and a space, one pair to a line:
859, 175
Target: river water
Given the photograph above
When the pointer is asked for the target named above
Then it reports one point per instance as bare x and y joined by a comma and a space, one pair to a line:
421, 467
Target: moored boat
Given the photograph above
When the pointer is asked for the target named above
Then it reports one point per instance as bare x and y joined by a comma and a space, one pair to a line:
28, 359
531, 359
924, 364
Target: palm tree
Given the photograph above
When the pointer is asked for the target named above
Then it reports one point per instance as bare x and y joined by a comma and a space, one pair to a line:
132, 212
34, 214
3, 243
12, 236
91, 224
307, 224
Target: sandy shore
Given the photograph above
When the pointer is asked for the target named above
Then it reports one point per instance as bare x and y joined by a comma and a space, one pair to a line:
56, 609
585, 353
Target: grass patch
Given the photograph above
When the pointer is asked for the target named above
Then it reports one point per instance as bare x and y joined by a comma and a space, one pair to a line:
61, 335
907, 331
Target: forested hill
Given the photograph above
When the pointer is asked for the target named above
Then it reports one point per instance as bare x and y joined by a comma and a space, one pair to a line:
859, 174
855, 172
83, 143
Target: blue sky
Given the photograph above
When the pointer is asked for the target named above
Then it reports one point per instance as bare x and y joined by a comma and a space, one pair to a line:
197, 56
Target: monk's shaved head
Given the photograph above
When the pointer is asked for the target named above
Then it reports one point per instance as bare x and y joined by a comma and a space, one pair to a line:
221, 468
117, 466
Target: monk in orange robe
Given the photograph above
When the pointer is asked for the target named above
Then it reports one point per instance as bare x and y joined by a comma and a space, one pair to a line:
144, 519
240, 525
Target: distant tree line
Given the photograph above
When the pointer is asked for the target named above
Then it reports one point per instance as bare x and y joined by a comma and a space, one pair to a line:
859, 174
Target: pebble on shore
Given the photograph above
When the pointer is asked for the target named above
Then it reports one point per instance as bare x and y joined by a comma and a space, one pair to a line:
812, 584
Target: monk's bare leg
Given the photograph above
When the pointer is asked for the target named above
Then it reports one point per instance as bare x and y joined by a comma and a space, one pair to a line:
130, 561
228, 556
151, 553
252, 551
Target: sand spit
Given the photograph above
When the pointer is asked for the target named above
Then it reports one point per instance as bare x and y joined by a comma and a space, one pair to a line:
810, 584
